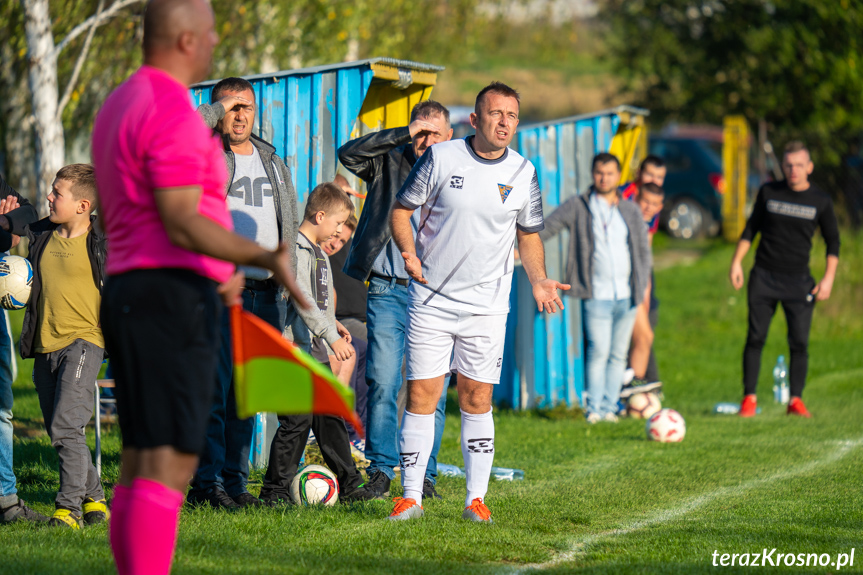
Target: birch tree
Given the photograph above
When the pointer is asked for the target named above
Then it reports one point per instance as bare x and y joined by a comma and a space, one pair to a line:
46, 101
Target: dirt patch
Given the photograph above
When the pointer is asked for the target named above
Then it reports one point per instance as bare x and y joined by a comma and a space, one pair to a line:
677, 257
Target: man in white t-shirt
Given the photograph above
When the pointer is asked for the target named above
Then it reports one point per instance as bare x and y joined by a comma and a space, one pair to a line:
476, 197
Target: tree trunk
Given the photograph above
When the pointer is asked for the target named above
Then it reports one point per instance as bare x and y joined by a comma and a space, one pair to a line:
42, 62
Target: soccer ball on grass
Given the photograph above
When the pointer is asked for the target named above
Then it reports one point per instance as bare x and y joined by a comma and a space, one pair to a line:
643, 405
16, 278
315, 484
666, 426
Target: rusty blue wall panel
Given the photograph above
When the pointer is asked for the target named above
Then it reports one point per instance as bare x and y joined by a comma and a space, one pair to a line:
545, 352
308, 114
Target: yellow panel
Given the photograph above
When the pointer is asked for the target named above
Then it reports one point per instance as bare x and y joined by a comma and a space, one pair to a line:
388, 107
629, 144
735, 168
387, 72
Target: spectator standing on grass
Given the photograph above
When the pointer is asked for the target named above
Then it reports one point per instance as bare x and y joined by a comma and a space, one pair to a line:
61, 332
384, 160
12, 508
263, 206
786, 214
161, 178
326, 211
609, 268
649, 195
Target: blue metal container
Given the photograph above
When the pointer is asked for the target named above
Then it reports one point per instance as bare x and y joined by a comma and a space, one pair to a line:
308, 114
544, 363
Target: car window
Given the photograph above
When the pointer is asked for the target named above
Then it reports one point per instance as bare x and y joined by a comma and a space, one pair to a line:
674, 154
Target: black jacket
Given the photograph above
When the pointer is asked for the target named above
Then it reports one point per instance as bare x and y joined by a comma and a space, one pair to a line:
19, 218
383, 160
39, 233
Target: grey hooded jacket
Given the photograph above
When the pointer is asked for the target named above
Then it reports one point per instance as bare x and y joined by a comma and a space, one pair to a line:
574, 214
278, 173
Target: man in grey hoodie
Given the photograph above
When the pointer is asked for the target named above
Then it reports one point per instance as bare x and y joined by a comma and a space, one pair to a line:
263, 205
608, 267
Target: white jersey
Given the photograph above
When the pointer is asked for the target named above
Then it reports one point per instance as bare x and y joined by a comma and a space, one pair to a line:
470, 209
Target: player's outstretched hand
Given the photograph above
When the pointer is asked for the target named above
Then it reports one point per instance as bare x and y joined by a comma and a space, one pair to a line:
342, 350
231, 291
343, 331
414, 267
279, 262
546, 296
736, 275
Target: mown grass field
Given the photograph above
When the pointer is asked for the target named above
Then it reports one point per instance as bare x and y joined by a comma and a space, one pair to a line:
596, 499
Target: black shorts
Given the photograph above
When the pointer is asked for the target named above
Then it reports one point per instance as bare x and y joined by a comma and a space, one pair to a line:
161, 330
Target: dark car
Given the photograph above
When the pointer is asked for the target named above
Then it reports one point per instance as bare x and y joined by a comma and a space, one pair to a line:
693, 185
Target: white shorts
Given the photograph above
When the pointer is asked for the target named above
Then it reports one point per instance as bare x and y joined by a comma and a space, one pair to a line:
474, 342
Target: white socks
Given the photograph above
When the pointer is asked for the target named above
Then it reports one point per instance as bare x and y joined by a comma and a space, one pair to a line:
477, 448
415, 445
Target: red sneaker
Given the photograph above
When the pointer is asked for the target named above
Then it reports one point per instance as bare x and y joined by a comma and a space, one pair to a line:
748, 405
796, 407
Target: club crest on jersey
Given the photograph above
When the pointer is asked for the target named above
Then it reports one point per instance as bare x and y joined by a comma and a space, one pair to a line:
456, 182
504, 192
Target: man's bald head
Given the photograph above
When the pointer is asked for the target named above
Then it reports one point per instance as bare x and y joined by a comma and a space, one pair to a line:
179, 38
166, 20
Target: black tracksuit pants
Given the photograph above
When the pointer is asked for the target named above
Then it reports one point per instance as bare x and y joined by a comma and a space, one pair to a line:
289, 444
765, 290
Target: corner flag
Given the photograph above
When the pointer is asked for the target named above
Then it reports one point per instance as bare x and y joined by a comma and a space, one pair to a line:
273, 374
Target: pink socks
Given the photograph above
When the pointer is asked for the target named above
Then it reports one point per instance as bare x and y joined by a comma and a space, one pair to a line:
143, 528
119, 512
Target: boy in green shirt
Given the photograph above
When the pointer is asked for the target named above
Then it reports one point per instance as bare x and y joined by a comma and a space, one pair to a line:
62, 333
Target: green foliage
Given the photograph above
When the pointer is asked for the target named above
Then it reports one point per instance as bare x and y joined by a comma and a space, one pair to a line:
795, 63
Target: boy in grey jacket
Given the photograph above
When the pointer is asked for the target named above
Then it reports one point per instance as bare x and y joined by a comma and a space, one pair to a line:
317, 328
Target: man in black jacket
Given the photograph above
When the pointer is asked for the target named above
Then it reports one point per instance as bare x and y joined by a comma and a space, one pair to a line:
383, 160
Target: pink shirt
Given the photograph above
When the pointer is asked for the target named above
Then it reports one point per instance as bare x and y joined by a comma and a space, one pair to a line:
147, 136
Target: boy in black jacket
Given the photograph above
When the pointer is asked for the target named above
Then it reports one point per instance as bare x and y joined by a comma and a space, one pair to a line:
61, 331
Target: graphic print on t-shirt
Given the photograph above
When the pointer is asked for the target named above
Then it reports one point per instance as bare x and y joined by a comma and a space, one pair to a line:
253, 207
468, 223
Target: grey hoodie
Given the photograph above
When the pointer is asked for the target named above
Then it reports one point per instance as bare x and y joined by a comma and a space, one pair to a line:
574, 214
278, 173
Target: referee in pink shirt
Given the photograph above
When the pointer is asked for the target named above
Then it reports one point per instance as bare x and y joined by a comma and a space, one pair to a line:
161, 177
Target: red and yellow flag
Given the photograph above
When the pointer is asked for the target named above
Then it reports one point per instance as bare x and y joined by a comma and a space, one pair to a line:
273, 374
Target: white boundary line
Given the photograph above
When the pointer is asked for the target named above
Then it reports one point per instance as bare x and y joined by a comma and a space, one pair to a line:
579, 545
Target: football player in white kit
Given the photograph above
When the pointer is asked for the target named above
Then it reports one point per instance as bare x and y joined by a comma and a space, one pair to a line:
476, 197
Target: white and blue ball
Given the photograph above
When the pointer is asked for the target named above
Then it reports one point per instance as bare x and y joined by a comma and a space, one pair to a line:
16, 279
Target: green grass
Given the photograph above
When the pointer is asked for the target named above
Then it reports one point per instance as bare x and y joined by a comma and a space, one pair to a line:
596, 499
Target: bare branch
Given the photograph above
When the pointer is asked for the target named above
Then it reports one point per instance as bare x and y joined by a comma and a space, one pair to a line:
92, 22
67, 93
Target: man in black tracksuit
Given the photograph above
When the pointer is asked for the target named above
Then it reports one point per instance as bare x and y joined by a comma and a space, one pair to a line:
786, 214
